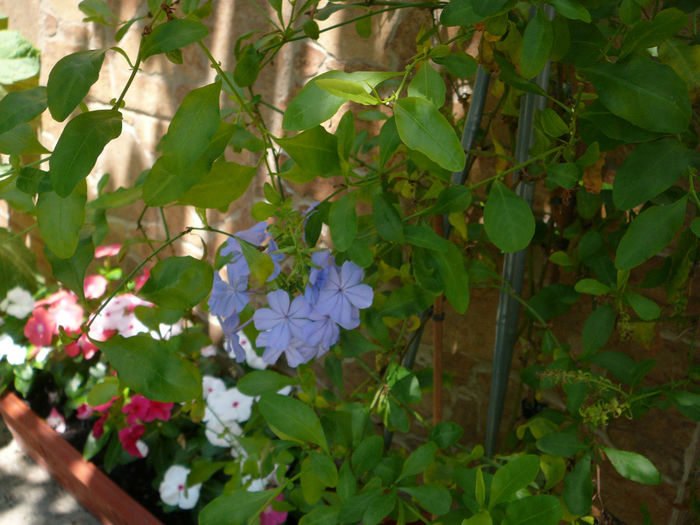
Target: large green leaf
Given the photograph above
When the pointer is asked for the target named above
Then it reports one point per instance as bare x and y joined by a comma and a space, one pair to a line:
314, 150
459, 13
70, 80
236, 507
342, 221
17, 263
387, 219
18, 107
633, 466
71, 271
598, 328
572, 9
578, 487
683, 58
428, 83
60, 219
178, 283
563, 444
537, 44
541, 509
646, 93
488, 7
615, 127
450, 268
172, 35
21, 140
223, 184
78, 147
649, 233
19, 60
419, 460
650, 33
153, 367
649, 170
512, 477
291, 419
508, 219
263, 381
436, 499
422, 128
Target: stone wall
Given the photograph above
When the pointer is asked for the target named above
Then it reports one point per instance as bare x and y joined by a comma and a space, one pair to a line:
56, 28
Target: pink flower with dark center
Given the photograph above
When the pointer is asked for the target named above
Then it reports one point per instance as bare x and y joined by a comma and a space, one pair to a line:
107, 250
99, 427
94, 286
105, 406
56, 421
40, 328
130, 438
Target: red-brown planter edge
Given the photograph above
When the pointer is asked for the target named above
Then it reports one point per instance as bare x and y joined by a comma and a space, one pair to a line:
88, 484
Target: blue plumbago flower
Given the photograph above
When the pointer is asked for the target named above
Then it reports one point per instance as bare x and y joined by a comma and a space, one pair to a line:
322, 330
343, 294
232, 345
229, 298
282, 320
277, 258
317, 275
297, 351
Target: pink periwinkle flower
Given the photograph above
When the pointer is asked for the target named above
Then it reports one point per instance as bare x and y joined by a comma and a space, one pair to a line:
82, 345
141, 279
272, 517
107, 250
130, 438
140, 408
40, 327
84, 411
94, 286
63, 307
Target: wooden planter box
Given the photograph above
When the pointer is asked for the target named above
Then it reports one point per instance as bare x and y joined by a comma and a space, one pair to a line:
88, 484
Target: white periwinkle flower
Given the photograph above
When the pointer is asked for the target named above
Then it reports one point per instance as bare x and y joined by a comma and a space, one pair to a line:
174, 490
230, 405
14, 353
18, 303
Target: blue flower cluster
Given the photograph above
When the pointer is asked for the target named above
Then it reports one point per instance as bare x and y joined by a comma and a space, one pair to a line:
303, 327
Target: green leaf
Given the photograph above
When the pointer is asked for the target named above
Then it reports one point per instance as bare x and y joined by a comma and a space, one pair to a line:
650, 33
60, 219
534, 510
260, 382
260, 263
348, 90
311, 29
171, 35
592, 287
512, 477
424, 236
451, 199
537, 45
320, 515
314, 150
17, 263
565, 175
378, 508
71, 271
222, 185
649, 233
422, 128
428, 83
70, 80
153, 367
387, 219
572, 9
633, 466
104, 391
645, 308
648, 94
342, 220
615, 127
18, 107
436, 499
552, 124
446, 433
650, 170
419, 460
481, 518
458, 63
488, 7
620, 365
450, 268
178, 283
291, 419
79, 145
311, 106
684, 59
508, 219
324, 469
19, 60
367, 454
389, 141
562, 444
598, 328
202, 471
578, 487
510, 77
21, 140
235, 507
311, 486
459, 13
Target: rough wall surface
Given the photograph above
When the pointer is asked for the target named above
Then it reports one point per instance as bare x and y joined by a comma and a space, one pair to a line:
56, 28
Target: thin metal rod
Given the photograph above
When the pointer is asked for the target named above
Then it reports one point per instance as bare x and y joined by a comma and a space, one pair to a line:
513, 270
